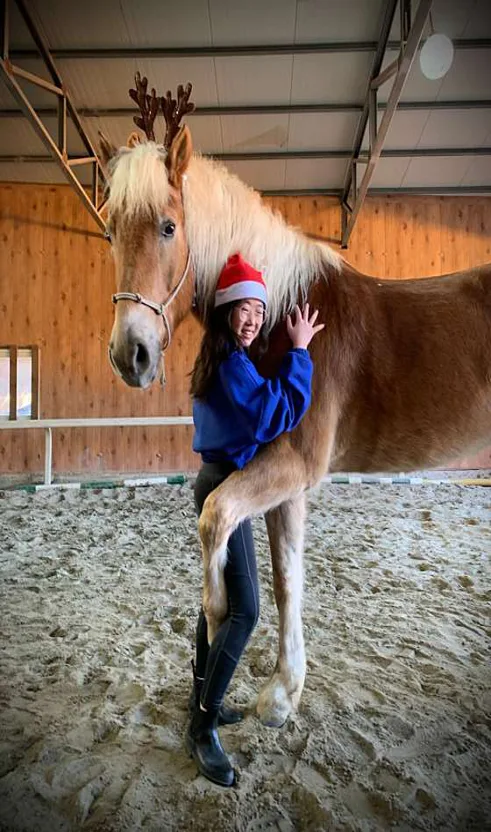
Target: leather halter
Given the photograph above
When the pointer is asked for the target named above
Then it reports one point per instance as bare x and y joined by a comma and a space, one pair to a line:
158, 308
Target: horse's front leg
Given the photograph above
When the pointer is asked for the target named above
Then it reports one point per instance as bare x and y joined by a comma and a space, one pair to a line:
275, 475
282, 693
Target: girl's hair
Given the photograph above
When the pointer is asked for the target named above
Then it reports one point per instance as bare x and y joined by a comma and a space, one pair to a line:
218, 342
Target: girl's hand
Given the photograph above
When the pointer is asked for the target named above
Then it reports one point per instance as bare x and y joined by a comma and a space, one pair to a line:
303, 330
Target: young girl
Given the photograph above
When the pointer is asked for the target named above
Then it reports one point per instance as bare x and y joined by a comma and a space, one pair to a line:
235, 412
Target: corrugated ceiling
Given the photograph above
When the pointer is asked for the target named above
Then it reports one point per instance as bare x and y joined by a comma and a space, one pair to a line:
267, 80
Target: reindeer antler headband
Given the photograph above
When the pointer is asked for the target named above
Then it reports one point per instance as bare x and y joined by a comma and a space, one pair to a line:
173, 109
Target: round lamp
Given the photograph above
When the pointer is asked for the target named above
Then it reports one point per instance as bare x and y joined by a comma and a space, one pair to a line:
436, 56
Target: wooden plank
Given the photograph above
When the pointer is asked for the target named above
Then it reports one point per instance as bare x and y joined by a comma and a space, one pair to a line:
455, 235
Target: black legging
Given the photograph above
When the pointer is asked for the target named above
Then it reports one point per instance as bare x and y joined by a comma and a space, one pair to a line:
216, 664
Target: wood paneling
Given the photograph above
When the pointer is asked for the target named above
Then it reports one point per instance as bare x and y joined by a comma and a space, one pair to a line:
56, 281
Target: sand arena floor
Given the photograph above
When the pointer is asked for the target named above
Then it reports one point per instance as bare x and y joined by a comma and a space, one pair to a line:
99, 593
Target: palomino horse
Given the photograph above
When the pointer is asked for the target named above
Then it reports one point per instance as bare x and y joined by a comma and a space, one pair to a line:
402, 375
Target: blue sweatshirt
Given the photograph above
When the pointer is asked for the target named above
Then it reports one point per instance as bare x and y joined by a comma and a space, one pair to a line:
244, 410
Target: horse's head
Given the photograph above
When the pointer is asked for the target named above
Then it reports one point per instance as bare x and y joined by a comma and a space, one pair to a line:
146, 228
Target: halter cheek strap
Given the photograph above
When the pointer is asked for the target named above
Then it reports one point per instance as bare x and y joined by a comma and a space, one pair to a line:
158, 308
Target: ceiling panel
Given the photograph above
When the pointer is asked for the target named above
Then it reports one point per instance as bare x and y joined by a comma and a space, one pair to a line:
7, 100
106, 83
265, 175
430, 172
314, 173
389, 173
478, 172
205, 131
35, 94
459, 19
65, 24
29, 172
18, 137
454, 18
255, 22
20, 37
253, 133
440, 128
467, 78
456, 128
405, 129
206, 134
124, 23
330, 77
164, 24
253, 80
338, 20
317, 131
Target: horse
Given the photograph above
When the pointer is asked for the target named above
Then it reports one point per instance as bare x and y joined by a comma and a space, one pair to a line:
402, 369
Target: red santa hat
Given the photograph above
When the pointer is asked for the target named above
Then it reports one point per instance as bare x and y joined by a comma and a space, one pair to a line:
239, 280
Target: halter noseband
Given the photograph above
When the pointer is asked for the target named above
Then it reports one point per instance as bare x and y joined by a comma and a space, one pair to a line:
158, 308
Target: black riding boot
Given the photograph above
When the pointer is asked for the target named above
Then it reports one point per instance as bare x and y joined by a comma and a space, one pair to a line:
203, 743
226, 716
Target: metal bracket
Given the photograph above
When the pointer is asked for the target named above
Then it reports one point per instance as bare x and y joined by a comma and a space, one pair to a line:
410, 37
65, 107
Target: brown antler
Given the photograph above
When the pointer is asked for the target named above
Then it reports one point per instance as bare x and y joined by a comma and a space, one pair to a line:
148, 104
174, 110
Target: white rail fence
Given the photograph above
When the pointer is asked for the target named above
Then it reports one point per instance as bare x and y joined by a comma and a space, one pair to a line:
48, 425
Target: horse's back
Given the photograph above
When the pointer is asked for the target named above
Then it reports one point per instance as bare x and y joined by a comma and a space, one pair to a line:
419, 392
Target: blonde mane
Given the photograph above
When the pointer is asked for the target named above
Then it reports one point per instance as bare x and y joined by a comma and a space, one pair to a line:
223, 216
138, 180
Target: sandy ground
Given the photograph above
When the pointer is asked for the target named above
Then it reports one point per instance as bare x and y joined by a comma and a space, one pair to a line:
99, 592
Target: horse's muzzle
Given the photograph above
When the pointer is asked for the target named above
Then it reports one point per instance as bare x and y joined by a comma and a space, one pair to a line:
135, 361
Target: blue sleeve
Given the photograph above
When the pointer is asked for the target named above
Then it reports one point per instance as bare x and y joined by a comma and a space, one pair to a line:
268, 407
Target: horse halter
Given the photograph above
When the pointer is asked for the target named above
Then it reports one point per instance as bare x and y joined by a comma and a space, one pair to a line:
158, 308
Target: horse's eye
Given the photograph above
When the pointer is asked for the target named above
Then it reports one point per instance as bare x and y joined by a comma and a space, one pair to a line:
107, 235
167, 228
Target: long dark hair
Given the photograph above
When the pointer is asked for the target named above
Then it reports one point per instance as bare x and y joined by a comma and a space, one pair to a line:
218, 342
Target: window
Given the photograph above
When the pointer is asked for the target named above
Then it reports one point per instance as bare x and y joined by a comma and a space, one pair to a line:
19, 382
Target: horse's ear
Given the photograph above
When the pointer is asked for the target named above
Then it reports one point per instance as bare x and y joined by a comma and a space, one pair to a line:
134, 139
179, 155
107, 149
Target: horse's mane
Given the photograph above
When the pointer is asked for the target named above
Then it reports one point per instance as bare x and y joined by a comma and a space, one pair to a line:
138, 181
223, 216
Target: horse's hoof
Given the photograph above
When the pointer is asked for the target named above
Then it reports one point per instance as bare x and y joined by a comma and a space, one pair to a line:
273, 708
272, 719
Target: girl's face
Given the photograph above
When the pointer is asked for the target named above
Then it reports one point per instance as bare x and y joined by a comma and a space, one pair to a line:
247, 320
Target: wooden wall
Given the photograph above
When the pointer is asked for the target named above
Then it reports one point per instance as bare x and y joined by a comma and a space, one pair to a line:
56, 280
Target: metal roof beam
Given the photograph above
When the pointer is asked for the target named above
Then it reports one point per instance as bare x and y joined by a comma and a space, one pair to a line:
439, 190
231, 51
292, 155
58, 150
269, 109
410, 38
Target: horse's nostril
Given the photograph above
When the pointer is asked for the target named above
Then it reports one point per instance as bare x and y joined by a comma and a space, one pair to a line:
142, 358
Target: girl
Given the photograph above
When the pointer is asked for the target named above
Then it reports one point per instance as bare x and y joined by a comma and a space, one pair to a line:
236, 411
